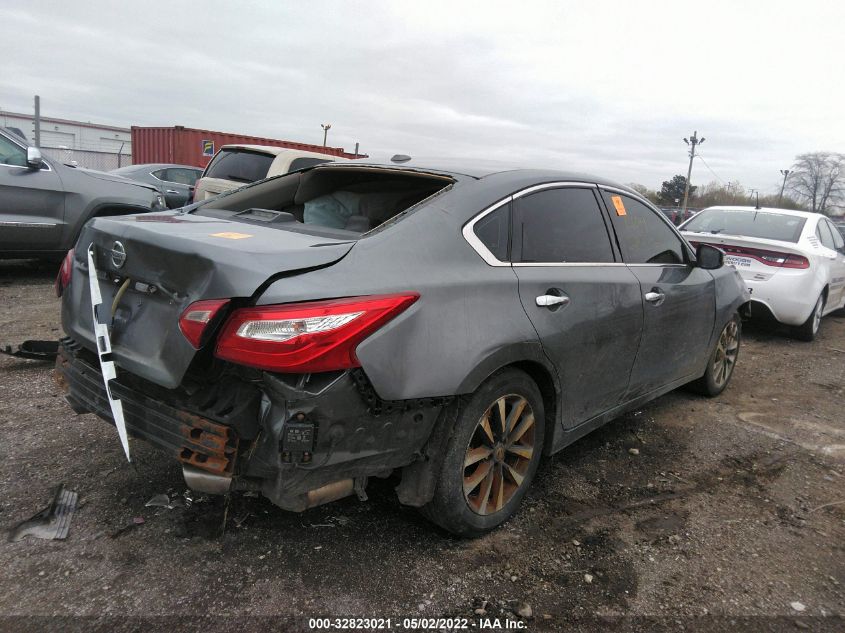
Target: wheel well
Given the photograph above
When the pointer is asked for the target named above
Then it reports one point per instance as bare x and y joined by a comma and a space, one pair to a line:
825, 291
107, 211
541, 376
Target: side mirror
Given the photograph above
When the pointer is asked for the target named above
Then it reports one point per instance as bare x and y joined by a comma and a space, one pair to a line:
33, 158
709, 257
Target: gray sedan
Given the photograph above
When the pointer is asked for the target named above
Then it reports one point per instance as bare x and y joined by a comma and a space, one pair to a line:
451, 324
175, 182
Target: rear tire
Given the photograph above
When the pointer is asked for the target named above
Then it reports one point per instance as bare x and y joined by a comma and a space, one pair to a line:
722, 360
808, 330
491, 459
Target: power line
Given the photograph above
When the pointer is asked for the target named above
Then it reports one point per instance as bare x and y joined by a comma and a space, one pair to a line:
710, 169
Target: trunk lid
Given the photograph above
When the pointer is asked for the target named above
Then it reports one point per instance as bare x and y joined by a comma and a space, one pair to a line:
172, 260
754, 258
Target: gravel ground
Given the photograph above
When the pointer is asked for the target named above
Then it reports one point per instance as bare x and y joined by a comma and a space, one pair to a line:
730, 514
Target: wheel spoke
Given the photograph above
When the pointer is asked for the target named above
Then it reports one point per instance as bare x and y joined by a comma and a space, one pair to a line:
515, 475
477, 476
485, 426
477, 454
522, 451
526, 423
500, 407
498, 488
516, 411
484, 493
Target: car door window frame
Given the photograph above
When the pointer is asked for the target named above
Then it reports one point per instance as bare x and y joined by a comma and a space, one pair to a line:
45, 166
479, 247
689, 253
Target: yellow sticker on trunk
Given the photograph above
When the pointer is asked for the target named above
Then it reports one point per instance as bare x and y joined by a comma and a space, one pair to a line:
620, 206
231, 236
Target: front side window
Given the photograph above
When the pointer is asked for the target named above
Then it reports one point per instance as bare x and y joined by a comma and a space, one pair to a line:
239, 165
644, 238
11, 153
561, 226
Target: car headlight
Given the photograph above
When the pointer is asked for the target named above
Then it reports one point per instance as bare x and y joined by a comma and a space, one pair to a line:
158, 202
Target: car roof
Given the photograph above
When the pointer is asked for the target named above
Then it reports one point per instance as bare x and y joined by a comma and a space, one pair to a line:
276, 150
800, 214
151, 166
482, 169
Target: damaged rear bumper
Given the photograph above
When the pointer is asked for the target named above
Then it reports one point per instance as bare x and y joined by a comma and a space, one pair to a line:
300, 440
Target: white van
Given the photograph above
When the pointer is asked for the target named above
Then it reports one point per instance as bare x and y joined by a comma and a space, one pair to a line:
236, 165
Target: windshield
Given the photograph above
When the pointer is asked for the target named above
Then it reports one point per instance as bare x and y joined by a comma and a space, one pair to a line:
747, 223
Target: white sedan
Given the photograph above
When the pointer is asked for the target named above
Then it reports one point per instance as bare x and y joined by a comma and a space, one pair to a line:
793, 262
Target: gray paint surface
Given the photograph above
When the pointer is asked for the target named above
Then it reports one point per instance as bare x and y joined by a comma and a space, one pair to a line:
43, 210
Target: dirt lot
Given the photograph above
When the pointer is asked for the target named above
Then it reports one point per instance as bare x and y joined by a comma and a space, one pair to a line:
731, 516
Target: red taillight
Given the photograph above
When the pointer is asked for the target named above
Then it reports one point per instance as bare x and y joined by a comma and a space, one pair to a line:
63, 277
770, 258
306, 337
196, 318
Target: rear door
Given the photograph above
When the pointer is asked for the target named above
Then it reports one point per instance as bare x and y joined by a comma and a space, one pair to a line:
31, 202
583, 302
679, 303
834, 248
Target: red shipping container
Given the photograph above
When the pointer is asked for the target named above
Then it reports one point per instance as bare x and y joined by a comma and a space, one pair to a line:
187, 146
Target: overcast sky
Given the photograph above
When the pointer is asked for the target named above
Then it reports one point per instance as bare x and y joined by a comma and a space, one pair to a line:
604, 87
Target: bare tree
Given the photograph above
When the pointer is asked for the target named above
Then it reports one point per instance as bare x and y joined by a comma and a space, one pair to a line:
819, 179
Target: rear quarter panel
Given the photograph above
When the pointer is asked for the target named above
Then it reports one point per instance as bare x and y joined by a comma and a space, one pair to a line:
467, 323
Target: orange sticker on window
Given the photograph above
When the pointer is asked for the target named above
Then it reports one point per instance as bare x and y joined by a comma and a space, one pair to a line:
620, 207
231, 236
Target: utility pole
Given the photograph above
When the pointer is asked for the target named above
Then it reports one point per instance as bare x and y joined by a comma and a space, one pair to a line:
326, 127
785, 173
692, 141
37, 122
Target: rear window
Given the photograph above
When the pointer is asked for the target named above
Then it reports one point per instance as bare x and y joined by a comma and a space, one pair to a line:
328, 201
747, 223
239, 165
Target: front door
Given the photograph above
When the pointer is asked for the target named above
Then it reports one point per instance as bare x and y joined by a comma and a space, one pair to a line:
31, 202
583, 302
679, 301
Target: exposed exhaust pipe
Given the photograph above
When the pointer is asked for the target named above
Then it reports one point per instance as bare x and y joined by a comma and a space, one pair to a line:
203, 481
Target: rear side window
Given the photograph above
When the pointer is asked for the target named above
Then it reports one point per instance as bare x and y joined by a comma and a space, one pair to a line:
838, 242
239, 165
643, 236
561, 226
824, 234
494, 231
303, 162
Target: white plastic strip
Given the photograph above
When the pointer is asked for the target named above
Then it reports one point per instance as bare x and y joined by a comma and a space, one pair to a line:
101, 335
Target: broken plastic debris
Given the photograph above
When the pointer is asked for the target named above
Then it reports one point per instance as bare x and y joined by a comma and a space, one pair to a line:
33, 350
132, 523
163, 501
53, 522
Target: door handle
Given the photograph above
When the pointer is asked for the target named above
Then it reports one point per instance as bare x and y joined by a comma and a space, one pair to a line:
548, 301
172, 191
655, 296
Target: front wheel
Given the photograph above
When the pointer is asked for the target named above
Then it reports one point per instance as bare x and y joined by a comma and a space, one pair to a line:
722, 360
492, 456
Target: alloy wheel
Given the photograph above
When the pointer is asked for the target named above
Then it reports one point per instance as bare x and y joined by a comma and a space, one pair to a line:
499, 454
726, 353
817, 315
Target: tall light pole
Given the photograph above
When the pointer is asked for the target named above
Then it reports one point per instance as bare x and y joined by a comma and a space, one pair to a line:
785, 173
692, 141
326, 127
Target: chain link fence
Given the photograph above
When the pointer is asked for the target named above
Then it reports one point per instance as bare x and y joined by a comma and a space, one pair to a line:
91, 159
